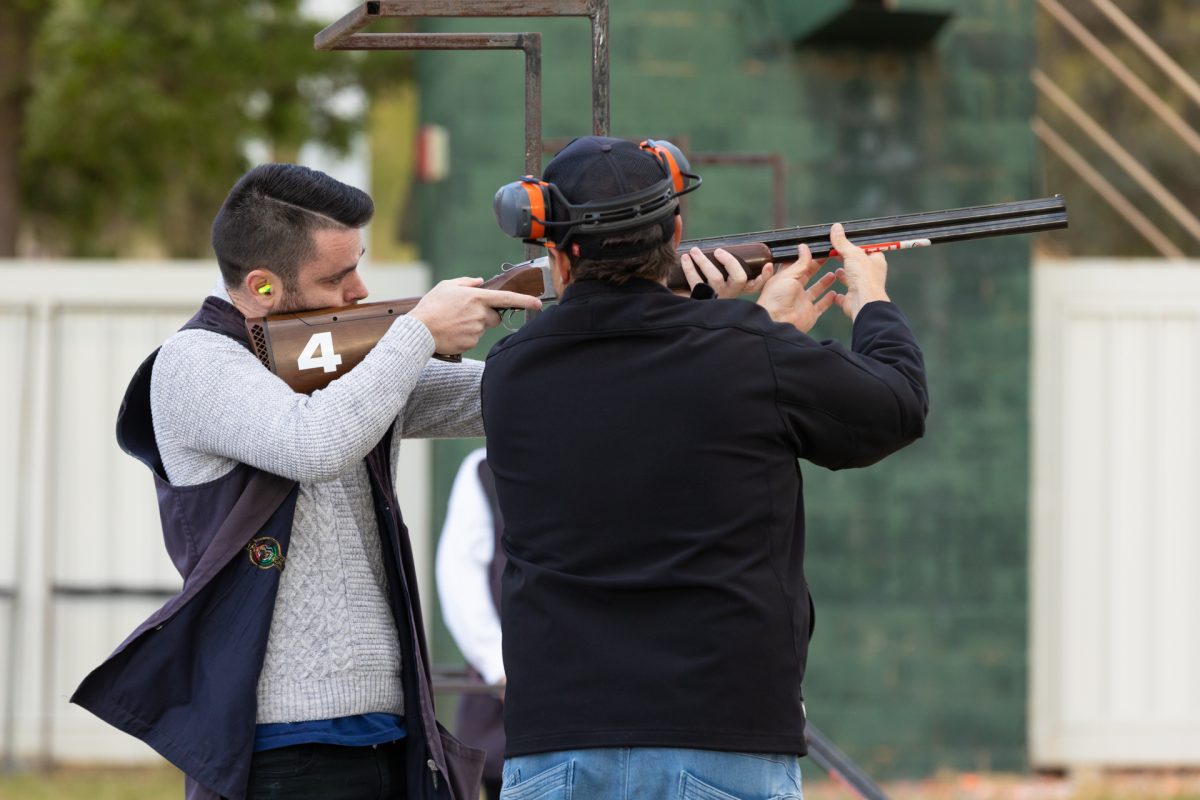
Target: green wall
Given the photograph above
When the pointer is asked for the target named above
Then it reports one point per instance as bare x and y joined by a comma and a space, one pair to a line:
918, 565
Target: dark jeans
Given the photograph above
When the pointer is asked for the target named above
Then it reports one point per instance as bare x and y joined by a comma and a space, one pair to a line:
328, 772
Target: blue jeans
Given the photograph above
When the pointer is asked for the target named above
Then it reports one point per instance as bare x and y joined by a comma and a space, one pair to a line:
651, 773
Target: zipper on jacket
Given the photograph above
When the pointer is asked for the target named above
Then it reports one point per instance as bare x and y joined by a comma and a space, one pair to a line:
433, 768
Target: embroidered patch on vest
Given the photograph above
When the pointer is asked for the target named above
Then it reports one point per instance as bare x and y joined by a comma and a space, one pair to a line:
265, 553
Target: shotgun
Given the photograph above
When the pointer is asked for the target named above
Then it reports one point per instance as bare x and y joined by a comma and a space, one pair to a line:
300, 347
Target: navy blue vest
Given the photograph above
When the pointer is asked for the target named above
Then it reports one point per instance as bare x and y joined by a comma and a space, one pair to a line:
185, 680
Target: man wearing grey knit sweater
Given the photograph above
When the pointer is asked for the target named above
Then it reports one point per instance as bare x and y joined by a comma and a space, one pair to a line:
319, 625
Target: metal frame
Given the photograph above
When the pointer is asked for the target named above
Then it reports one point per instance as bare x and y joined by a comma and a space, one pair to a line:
778, 176
529, 43
344, 35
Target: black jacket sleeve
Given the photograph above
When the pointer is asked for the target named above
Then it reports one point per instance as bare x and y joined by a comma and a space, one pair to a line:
850, 408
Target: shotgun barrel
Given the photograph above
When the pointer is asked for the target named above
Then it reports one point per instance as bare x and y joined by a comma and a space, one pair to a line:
898, 232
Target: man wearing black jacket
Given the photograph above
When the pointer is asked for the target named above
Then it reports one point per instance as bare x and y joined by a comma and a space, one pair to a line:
655, 611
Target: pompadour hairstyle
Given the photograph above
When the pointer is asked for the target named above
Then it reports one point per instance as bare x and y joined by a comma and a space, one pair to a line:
268, 219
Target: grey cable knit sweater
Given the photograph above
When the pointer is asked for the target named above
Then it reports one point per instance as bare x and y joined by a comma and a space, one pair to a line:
333, 649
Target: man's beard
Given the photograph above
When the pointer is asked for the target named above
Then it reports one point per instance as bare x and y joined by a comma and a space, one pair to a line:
293, 302
288, 304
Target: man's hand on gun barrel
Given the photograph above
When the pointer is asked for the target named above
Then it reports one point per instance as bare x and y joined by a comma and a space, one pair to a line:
786, 293
864, 274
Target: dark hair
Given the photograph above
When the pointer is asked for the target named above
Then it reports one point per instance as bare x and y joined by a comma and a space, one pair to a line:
653, 263
268, 219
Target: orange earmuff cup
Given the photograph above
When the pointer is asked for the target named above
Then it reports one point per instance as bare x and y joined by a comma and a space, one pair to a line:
537, 207
669, 162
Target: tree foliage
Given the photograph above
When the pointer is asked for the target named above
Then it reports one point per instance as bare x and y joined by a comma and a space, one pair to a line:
141, 112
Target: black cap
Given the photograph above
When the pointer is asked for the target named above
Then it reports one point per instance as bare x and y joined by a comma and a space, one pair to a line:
595, 170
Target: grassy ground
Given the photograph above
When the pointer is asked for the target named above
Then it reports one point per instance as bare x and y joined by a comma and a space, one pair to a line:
166, 784
78, 783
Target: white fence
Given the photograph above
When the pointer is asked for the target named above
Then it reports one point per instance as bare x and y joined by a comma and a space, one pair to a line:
81, 556
1115, 600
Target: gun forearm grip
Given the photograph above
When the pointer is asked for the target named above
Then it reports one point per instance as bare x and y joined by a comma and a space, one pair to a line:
753, 256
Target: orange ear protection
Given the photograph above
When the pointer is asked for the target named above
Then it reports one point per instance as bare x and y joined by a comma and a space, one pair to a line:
537, 212
522, 208
673, 161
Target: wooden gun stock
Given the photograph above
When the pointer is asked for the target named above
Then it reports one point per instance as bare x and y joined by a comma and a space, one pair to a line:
309, 349
900, 232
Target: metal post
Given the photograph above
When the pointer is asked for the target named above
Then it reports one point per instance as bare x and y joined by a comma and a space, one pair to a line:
533, 103
598, 12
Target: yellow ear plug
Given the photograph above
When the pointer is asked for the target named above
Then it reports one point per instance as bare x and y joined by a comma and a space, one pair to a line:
264, 289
